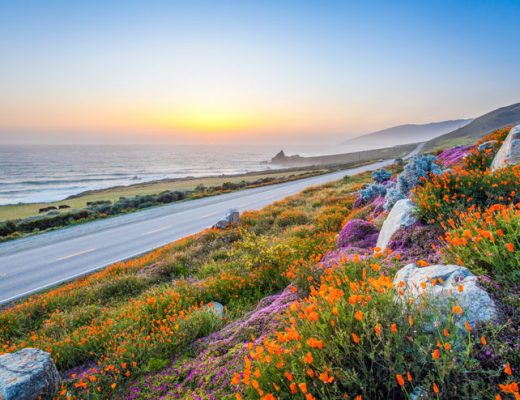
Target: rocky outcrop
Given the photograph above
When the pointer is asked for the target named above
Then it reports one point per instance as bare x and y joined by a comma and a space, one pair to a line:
446, 285
400, 215
28, 374
232, 218
509, 152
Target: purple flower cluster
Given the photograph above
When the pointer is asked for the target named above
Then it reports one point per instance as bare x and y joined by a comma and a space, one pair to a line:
358, 233
205, 370
417, 242
452, 156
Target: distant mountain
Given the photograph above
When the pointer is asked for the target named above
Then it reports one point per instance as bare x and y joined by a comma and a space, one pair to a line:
404, 134
479, 127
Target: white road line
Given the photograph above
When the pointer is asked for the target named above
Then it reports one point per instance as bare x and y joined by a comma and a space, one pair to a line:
157, 230
75, 254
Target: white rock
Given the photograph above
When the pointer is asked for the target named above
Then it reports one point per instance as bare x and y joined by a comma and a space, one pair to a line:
28, 374
476, 304
400, 215
509, 152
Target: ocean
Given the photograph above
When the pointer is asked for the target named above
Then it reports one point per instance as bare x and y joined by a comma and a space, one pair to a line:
31, 174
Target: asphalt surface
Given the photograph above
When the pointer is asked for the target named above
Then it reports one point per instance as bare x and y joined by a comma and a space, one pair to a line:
35, 263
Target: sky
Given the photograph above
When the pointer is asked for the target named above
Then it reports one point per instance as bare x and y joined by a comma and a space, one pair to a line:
249, 72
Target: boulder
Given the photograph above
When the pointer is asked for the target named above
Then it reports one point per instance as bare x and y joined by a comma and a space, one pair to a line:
476, 304
400, 215
232, 218
28, 374
509, 152
486, 145
217, 308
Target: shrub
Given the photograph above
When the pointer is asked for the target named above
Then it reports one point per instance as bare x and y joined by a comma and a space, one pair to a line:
371, 191
292, 217
358, 233
454, 155
417, 242
444, 196
481, 156
487, 242
349, 337
381, 175
419, 167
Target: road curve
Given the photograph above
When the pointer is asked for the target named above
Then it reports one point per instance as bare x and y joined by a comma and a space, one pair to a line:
35, 263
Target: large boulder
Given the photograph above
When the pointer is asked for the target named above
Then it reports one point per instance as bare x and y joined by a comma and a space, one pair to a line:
28, 374
509, 152
400, 215
442, 285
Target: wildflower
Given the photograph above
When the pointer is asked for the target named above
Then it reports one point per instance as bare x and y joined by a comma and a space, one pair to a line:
456, 310
445, 332
436, 354
308, 358
355, 338
460, 288
400, 379
435, 388
507, 369
509, 247
238, 396
467, 326
409, 376
410, 320
483, 340
292, 386
447, 346
303, 387
288, 376
377, 329
393, 328
324, 377
236, 379
358, 315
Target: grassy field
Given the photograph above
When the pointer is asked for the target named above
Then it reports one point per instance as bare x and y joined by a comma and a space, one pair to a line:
9, 212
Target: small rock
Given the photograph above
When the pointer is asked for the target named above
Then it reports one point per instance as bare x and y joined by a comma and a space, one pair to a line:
400, 215
476, 304
232, 216
222, 224
217, 308
509, 152
486, 145
28, 374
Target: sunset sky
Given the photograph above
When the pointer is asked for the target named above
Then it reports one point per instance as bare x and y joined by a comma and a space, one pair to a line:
249, 72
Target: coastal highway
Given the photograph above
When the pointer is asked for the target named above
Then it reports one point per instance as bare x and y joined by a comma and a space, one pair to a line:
35, 263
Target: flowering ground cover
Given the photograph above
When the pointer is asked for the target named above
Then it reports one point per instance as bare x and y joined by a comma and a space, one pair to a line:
133, 318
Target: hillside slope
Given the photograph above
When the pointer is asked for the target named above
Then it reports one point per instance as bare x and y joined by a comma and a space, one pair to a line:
404, 134
496, 119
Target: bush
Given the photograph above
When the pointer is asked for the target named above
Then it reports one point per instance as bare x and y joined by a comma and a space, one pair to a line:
358, 233
481, 156
487, 242
292, 217
350, 337
372, 191
445, 196
381, 175
418, 168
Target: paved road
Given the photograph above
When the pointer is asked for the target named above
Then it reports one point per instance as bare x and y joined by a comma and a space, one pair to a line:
35, 263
